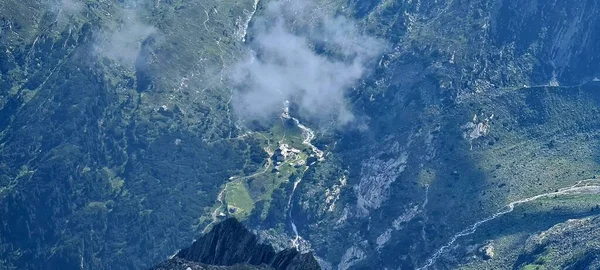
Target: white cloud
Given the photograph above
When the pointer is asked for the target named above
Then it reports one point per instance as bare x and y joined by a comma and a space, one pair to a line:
301, 55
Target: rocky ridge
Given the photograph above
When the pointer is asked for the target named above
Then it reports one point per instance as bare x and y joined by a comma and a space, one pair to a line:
229, 245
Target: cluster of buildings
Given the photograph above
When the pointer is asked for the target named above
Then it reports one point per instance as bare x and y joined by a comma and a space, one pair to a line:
285, 152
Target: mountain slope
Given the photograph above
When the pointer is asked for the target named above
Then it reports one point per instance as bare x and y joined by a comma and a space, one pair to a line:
229, 243
466, 115
119, 140
107, 159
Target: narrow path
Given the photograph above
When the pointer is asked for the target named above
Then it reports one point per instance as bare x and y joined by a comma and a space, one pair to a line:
234, 179
575, 189
309, 136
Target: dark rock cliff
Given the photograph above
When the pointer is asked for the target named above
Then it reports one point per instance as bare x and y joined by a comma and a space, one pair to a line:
229, 245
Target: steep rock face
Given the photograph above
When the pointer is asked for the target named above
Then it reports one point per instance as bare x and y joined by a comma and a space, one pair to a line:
563, 36
229, 243
484, 98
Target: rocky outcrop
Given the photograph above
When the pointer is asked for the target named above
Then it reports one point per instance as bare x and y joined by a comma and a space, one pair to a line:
229, 245
569, 245
377, 174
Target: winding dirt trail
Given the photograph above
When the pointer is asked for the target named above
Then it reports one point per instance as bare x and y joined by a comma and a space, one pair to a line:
233, 179
582, 187
309, 136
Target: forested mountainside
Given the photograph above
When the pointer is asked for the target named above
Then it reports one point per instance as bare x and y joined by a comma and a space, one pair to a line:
376, 134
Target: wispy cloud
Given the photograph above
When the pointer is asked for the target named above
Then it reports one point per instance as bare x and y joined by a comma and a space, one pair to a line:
121, 39
303, 55
65, 9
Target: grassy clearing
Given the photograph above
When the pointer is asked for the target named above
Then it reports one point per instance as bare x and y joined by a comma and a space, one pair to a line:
238, 197
260, 187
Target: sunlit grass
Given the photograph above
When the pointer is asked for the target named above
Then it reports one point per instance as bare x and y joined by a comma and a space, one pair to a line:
238, 197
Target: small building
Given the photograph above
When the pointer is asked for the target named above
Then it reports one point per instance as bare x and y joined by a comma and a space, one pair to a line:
300, 163
279, 155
